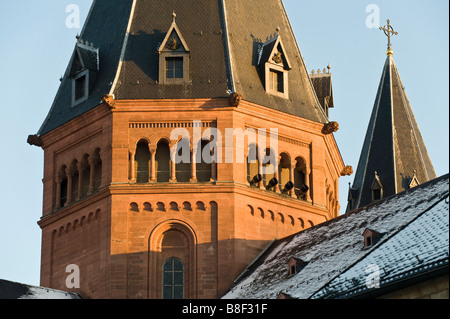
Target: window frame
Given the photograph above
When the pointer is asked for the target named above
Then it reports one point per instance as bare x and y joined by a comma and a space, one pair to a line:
271, 69
75, 101
163, 79
173, 285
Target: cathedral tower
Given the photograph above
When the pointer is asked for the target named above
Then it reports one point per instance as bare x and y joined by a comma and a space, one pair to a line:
394, 157
184, 138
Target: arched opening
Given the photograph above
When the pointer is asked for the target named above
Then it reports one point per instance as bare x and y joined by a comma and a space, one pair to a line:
300, 186
75, 175
269, 168
172, 267
203, 161
62, 184
252, 162
97, 169
284, 171
183, 161
162, 159
85, 175
142, 162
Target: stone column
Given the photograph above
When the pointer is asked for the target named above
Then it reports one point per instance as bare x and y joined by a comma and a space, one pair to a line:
307, 183
80, 180
173, 167
69, 188
153, 166
292, 178
92, 175
277, 174
132, 168
194, 165
58, 193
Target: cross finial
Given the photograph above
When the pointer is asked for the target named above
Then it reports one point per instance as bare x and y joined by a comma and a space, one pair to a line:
390, 32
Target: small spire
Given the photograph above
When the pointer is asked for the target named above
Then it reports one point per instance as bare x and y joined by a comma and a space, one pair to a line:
174, 15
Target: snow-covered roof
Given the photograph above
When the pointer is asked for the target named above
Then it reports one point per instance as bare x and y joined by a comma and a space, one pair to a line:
15, 290
334, 251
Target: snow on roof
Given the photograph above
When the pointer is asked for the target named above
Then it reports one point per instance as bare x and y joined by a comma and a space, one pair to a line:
15, 290
333, 247
421, 246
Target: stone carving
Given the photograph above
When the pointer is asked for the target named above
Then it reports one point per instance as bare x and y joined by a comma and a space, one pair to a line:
109, 101
35, 140
347, 171
235, 99
330, 128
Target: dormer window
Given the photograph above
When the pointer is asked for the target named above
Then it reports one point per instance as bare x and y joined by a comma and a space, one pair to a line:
377, 189
174, 68
80, 87
371, 237
174, 57
85, 65
295, 265
274, 66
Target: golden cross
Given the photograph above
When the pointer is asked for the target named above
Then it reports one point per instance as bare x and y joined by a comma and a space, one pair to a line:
389, 31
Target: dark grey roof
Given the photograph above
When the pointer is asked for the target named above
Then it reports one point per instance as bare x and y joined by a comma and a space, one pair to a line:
393, 147
332, 248
105, 28
15, 290
223, 38
250, 25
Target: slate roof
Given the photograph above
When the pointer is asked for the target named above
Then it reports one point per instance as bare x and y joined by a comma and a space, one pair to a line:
393, 146
334, 251
223, 37
422, 246
15, 290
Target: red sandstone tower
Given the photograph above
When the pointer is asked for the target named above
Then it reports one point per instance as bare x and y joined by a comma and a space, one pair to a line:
185, 137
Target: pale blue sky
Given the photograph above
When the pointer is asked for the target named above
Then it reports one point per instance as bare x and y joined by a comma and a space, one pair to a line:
36, 47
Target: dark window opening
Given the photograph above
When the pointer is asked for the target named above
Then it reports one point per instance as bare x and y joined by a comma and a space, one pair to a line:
276, 81
173, 279
80, 87
174, 68
376, 194
63, 194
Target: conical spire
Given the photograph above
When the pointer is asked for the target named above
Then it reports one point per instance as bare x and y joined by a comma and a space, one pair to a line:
393, 149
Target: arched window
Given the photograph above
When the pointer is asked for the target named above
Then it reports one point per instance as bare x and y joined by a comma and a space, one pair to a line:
284, 170
162, 159
142, 161
252, 162
173, 279
269, 166
63, 182
300, 179
183, 161
85, 175
97, 169
75, 175
204, 167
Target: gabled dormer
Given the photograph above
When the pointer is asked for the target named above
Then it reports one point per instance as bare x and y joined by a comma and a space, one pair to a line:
377, 189
371, 237
274, 64
295, 265
174, 57
83, 71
